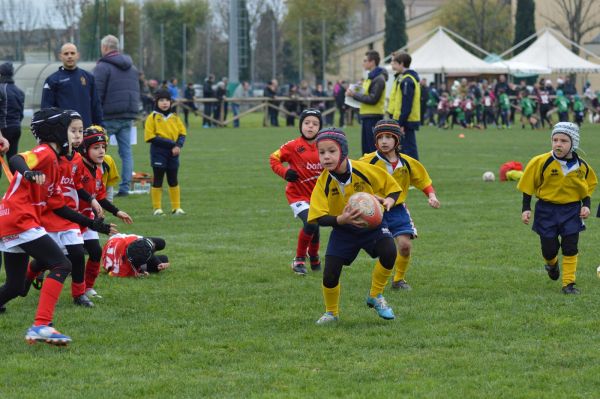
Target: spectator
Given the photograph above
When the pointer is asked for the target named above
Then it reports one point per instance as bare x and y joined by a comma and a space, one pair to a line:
291, 105
241, 91
73, 88
372, 100
12, 100
304, 91
208, 92
173, 89
271, 92
145, 94
119, 90
329, 104
189, 104
220, 96
340, 100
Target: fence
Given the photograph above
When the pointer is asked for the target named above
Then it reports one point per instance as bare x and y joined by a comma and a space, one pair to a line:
262, 104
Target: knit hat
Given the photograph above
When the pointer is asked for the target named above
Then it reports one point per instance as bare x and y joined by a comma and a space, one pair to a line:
310, 112
336, 135
7, 69
162, 93
388, 126
571, 130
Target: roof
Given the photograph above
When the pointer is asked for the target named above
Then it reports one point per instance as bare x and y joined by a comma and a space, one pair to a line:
549, 52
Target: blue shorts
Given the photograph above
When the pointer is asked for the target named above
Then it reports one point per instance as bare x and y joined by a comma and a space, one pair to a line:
346, 242
399, 221
163, 158
553, 220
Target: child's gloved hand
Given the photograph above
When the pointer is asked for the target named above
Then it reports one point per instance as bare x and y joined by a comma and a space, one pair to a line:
291, 175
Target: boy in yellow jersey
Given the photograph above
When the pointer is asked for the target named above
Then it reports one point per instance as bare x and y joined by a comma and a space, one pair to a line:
340, 179
166, 133
110, 176
563, 184
406, 171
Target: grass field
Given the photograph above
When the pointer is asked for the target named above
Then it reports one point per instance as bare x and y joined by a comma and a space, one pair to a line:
230, 319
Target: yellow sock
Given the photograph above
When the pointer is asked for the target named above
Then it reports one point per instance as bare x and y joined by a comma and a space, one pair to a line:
332, 299
174, 196
551, 262
379, 279
156, 196
569, 267
401, 266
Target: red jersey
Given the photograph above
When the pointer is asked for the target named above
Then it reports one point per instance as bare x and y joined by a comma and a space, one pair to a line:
91, 181
71, 172
114, 257
303, 157
22, 205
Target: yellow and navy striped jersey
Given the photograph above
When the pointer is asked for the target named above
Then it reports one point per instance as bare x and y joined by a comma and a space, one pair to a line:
555, 181
330, 196
168, 127
407, 172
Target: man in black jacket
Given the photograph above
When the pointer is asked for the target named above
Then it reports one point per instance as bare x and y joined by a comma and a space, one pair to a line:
12, 100
119, 92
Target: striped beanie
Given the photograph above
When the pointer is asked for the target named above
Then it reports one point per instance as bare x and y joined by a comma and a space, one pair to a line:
571, 130
388, 126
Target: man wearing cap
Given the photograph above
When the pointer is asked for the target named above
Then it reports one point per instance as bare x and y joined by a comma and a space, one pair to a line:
563, 183
12, 100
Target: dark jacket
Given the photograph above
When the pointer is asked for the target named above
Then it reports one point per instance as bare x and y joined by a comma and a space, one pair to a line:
117, 82
407, 85
73, 89
378, 77
12, 100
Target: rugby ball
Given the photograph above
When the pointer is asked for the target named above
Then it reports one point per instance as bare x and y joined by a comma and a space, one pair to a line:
369, 206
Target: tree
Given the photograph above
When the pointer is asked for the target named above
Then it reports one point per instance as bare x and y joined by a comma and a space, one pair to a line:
70, 12
481, 21
311, 15
264, 47
395, 26
579, 17
524, 24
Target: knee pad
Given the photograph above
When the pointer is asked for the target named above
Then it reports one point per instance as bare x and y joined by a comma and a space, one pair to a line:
569, 245
60, 271
332, 271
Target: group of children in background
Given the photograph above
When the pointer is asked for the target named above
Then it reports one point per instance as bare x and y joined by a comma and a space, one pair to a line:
54, 208
321, 178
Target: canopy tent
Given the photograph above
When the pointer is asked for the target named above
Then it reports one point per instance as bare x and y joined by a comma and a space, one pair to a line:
441, 54
520, 68
547, 51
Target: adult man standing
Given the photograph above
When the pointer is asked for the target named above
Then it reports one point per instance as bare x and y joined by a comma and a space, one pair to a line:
405, 102
372, 100
73, 88
270, 92
119, 92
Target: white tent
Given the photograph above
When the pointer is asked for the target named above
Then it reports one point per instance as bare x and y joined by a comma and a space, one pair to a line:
523, 68
548, 52
441, 54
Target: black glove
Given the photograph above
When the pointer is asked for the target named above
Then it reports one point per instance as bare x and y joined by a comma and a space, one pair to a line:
32, 174
99, 226
291, 175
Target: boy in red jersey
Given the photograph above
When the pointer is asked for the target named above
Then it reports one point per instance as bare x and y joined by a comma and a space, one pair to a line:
93, 150
35, 185
302, 171
130, 255
67, 233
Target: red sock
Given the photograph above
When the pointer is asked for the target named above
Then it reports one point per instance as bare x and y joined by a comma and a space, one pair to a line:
77, 289
92, 269
30, 275
303, 240
48, 298
313, 249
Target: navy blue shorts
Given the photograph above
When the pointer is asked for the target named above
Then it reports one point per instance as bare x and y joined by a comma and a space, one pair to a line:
399, 221
346, 242
163, 158
553, 220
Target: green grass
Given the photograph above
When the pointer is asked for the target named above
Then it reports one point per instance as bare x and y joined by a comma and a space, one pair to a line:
229, 319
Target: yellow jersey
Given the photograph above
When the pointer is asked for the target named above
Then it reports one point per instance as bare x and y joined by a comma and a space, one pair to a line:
554, 181
330, 196
110, 173
407, 172
168, 127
